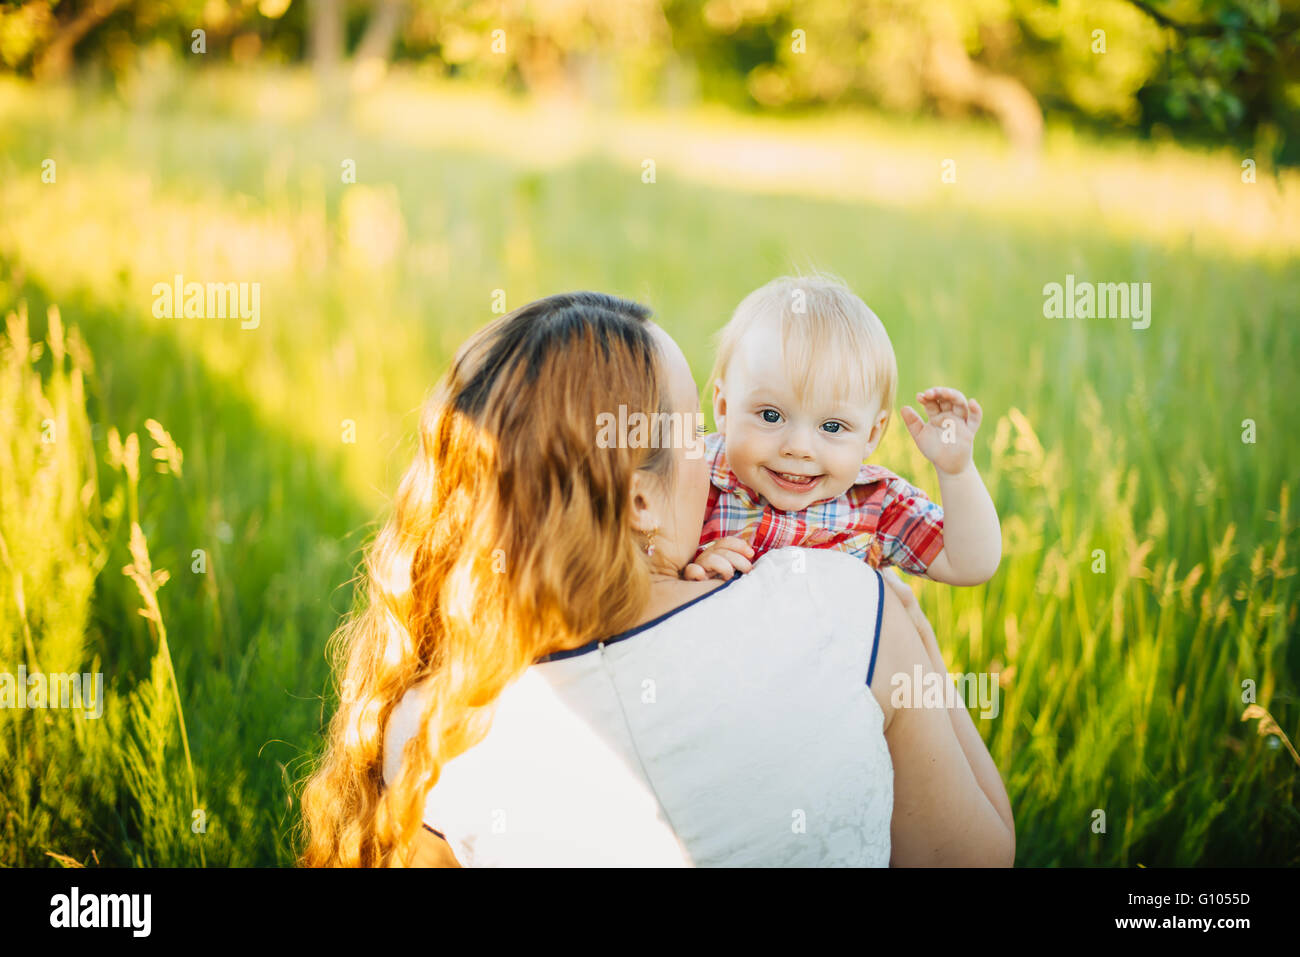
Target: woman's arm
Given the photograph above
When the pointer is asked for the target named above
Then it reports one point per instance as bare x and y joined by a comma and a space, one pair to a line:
986, 772
950, 806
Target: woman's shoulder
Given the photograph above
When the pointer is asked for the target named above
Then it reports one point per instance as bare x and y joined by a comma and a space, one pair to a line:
846, 597
827, 561
836, 581
723, 699
792, 597
825, 584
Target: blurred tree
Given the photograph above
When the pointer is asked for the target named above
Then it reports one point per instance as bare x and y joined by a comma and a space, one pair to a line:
1231, 68
57, 57
904, 56
52, 31
325, 19
999, 57
376, 44
1220, 69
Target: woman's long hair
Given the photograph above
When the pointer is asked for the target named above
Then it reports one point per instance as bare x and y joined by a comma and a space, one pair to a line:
510, 537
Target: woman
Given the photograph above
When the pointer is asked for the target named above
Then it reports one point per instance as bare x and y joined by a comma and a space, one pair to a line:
533, 681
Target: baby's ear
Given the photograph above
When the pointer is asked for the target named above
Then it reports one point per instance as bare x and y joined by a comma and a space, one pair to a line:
719, 405
878, 430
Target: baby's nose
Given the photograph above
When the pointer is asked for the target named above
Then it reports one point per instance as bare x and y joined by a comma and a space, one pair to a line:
796, 445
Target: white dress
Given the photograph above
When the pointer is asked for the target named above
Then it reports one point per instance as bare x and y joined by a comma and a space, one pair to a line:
735, 730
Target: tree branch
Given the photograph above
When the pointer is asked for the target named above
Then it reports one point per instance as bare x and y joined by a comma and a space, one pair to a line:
1208, 29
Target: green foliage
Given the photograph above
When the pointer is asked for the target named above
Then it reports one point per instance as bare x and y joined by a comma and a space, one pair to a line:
102, 784
57, 766
70, 773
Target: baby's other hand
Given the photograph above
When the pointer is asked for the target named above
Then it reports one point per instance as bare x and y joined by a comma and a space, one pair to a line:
721, 558
949, 435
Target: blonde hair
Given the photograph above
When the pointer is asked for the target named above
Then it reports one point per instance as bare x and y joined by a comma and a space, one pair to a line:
510, 537
832, 341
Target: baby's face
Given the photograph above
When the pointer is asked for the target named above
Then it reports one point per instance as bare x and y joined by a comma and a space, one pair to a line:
791, 454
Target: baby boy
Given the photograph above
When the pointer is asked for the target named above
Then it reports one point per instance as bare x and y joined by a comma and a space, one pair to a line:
803, 388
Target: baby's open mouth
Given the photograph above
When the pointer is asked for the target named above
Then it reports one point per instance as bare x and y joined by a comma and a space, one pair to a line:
792, 481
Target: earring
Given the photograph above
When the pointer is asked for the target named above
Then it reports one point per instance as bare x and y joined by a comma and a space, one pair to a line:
650, 545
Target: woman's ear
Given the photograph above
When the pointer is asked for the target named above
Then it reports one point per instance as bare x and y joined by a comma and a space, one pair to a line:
645, 498
719, 406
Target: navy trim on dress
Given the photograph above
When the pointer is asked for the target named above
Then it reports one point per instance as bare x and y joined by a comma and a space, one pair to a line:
880, 613
597, 642
434, 830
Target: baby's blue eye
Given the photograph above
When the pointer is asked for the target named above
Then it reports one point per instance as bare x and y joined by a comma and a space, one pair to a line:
831, 427
771, 415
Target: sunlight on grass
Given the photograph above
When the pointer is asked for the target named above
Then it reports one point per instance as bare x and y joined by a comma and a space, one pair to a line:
1161, 192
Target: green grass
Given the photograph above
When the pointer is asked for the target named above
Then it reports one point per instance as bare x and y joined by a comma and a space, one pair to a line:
1121, 690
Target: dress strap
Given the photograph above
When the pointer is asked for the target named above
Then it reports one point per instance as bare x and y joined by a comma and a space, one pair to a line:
433, 830
880, 613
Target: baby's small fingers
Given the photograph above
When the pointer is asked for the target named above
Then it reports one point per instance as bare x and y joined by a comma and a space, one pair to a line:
976, 415
736, 545
736, 559
952, 400
694, 573
912, 419
713, 563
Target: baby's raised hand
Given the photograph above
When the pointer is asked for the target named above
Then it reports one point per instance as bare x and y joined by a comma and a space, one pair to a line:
947, 438
720, 558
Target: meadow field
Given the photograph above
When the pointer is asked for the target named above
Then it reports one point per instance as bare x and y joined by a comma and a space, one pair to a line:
1143, 617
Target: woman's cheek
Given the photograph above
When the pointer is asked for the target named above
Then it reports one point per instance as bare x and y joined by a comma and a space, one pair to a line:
695, 486
693, 506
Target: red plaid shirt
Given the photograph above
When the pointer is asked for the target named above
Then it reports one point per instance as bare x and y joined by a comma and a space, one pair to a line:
881, 519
